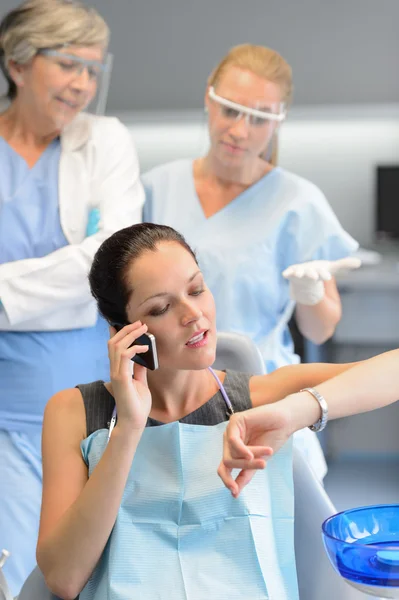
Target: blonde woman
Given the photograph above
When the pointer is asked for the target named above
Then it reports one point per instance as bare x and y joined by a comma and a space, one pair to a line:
68, 180
250, 220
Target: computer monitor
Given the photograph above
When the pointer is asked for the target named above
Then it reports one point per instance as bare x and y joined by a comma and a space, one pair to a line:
387, 222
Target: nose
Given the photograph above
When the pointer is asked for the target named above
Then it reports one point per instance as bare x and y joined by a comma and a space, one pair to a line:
190, 314
239, 129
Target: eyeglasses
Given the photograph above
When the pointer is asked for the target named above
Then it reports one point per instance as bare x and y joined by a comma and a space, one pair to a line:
75, 65
234, 111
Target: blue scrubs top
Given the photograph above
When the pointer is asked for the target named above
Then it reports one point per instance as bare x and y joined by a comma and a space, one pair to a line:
281, 220
36, 365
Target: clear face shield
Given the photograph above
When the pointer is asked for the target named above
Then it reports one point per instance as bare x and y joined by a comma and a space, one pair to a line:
241, 135
74, 83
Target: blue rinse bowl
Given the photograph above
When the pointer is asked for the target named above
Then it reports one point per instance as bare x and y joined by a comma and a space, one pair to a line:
363, 547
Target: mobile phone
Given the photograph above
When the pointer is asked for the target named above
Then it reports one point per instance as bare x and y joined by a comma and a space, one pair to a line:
148, 359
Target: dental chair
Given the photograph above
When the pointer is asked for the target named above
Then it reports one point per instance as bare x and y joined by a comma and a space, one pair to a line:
316, 577
317, 580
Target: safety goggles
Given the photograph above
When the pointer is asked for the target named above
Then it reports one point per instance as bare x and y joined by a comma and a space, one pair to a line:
72, 67
75, 65
233, 111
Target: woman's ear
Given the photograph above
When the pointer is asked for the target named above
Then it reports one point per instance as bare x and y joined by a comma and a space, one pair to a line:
206, 100
15, 71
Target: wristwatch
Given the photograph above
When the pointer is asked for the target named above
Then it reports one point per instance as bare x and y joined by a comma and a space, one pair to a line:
322, 422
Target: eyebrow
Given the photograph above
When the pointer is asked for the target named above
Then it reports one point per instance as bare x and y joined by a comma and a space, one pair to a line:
161, 294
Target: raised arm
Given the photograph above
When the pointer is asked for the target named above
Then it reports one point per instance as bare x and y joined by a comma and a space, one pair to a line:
78, 513
265, 389
254, 434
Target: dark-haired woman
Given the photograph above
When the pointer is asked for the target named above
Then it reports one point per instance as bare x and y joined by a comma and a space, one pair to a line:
132, 503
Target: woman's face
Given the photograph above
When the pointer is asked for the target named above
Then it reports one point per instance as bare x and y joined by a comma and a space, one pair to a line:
58, 87
236, 142
170, 297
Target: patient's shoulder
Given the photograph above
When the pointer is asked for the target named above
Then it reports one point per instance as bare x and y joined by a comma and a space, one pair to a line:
65, 400
66, 410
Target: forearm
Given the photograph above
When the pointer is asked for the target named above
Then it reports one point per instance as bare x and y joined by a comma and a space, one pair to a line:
32, 288
68, 555
372, 384
318, 322
292, 378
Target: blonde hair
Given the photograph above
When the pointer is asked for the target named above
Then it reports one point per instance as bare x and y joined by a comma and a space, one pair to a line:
38, 24
261, 61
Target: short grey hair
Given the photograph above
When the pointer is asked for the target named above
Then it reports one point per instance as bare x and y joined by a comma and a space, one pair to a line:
38, 24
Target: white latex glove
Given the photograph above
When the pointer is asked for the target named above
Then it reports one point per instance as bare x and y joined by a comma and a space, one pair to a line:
307, 279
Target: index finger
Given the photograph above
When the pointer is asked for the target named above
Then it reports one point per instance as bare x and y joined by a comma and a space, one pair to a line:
237, 448
118, 334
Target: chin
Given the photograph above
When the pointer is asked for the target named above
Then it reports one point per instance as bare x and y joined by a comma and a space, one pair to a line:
63, 118
201, 361
231, 160
209, 360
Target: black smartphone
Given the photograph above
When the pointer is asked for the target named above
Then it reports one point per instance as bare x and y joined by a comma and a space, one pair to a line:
148, 359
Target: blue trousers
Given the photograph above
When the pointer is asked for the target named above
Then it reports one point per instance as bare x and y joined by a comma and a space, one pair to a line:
20, 500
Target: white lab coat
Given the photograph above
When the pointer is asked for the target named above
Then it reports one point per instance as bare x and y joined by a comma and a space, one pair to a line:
98, 169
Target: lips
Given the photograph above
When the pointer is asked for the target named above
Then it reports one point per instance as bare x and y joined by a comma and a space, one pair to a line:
72, 105
232, 148
197, 337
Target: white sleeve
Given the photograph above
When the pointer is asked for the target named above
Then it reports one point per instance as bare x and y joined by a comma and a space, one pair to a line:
33, 289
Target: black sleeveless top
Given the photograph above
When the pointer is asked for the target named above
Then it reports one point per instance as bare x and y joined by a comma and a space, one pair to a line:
99, 403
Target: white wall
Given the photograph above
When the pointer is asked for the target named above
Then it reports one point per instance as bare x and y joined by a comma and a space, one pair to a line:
335, 147
340, 156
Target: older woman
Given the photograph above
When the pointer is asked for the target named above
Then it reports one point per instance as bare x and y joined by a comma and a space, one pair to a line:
67, 181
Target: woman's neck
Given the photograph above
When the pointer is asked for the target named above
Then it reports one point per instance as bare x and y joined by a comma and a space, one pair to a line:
217, 188
20, 126
178, 393
212, 168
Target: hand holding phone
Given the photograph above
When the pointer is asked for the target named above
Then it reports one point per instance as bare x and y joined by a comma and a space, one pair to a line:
131, 392
148, 359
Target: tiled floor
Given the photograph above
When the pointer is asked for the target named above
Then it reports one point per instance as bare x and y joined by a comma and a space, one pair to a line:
359, 483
